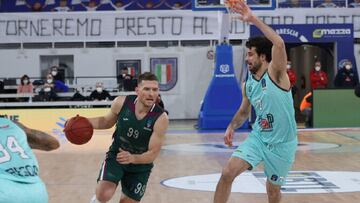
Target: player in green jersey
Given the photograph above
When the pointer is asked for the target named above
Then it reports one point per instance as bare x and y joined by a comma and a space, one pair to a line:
141, 125
273, 139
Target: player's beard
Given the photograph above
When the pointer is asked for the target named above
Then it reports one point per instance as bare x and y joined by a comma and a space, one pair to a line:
255, 68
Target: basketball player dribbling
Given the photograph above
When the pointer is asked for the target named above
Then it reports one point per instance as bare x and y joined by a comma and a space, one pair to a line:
273, 139
19, 169
141, 125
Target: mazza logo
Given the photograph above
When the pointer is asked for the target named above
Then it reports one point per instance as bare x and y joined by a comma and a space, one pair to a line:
319, 33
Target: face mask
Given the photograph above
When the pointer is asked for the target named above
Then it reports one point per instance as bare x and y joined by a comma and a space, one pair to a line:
53, 73
348, 67
317, 68
49, 81
99, 89
25, 81
288, 66
47, 89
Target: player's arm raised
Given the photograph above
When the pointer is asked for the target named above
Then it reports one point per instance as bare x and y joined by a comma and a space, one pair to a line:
109, 119
38, 139
241, 115
279, 57
156, 141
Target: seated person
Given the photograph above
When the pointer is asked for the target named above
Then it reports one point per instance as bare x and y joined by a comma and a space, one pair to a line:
327, 4
54, 70
25, 85
99, 93
60, 86
295, 4
47, 93
125, 80
63, 6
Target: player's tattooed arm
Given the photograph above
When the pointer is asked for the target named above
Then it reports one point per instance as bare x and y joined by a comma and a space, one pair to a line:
39, 140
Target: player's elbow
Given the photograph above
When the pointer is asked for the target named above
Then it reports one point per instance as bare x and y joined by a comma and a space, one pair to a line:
52, 146
279, 43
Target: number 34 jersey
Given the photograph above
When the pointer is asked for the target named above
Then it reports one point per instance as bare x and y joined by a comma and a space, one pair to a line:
131, 134
17, 161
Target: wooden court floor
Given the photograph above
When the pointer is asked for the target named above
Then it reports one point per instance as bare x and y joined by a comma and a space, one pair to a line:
70, 172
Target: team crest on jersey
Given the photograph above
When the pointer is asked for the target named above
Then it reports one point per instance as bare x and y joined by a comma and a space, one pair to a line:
148, 124
266, 123
250, 88
263, 84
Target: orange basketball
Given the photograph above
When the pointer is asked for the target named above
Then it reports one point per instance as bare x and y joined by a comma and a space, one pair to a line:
78, 130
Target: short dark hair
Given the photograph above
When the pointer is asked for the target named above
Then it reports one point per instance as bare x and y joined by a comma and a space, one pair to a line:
147, 76
262, 46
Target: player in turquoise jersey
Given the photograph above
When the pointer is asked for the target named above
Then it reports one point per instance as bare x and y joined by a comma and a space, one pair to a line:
273, 139
19, 169
140, 130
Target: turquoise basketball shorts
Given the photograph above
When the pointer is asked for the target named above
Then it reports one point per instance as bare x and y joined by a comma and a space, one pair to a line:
277, 158
15, 192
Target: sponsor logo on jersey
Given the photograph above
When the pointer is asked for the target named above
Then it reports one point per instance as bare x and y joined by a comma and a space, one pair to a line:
266, 123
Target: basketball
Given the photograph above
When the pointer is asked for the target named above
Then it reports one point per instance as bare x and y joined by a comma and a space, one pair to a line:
78, 130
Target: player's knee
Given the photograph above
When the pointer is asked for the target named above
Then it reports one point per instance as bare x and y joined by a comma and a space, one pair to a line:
227, 174
103, 196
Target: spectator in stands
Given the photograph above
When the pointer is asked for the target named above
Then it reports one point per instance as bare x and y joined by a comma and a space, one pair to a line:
149, 4
355, 4
58, 80
119, 5
318, 78
63, 6
36, 6
346, 77
25, 85
327, 4
125, 80
91, 6
54, 70
292, 76
47, 92
99, 93
306, 109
